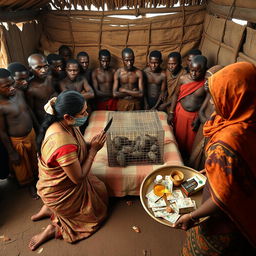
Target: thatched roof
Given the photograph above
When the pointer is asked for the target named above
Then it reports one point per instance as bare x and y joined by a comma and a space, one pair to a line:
14, 5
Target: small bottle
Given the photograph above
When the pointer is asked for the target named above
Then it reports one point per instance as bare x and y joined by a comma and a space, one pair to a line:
158, 179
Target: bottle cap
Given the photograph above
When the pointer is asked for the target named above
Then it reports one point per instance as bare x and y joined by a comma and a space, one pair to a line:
159, 179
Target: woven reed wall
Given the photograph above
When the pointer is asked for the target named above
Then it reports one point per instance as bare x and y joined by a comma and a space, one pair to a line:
174, 32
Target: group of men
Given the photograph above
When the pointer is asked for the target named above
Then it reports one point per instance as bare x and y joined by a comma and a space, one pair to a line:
24, 92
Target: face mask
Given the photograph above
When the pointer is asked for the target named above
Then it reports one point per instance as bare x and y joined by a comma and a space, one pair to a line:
79, 121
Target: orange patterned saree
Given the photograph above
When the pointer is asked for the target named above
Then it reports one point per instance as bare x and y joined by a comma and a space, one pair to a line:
231, 158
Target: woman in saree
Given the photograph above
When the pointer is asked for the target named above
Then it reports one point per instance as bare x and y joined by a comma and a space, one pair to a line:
74, 198
229, 197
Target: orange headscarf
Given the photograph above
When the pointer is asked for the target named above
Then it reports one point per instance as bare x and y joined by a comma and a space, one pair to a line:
233, 126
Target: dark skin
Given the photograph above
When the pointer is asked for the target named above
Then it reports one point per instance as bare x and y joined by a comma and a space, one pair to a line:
156, 82
187, 221
84, 62
174, 67
40, 89
66, 54
15, 116
128, 81
57, 73
75, 82
21, 80
57, 66
103, 78
188, 61
192, 102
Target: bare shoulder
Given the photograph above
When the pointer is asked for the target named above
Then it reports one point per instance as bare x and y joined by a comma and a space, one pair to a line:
95, 71
184, 79
146, 69
138, 72
119, 71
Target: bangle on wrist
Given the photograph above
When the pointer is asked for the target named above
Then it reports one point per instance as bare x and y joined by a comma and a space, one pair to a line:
193, 219
171, 112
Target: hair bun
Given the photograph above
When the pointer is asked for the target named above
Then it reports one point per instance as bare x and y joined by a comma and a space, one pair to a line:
49, 106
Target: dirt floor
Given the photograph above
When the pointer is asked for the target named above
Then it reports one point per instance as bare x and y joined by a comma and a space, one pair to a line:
115, 238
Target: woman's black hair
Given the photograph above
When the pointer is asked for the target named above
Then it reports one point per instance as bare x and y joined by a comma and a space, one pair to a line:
68, 102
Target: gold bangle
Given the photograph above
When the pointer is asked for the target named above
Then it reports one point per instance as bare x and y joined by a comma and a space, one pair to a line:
171, 112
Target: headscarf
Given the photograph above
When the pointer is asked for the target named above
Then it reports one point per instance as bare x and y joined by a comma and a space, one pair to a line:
233, 125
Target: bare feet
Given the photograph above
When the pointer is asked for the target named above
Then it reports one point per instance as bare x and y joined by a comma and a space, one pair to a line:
42, 237
44, 212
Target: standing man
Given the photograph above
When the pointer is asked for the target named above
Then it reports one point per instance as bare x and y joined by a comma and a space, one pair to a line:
20, 75
40, 88
186, 103
16, 131
173, 73
65, 53
128, 84
84, 61
103, 78
74, 81
56, 70
155, 84
192, 53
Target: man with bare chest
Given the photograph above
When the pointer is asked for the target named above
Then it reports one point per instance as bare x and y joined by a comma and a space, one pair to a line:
85, 71
155, 84
128, 84
40, 87
56, 70
73, 81
187, 101
20, 75
16, 130
103, 78
192, 53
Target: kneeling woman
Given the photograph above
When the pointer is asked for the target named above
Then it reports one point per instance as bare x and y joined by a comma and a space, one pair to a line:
74, 198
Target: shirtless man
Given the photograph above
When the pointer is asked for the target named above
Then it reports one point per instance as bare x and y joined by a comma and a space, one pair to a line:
155, 84
73, 81
16, 131
102, 80
190, 55
186, 103
20, 75
65, 52
40, 87
56, 70
128, 84
173, 73
84, 61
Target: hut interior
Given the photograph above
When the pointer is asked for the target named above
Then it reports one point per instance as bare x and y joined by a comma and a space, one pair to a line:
29, 26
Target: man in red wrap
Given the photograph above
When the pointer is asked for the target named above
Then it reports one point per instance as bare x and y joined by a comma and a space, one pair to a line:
187, 100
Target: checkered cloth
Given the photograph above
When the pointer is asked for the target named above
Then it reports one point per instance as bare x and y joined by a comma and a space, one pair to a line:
121, 181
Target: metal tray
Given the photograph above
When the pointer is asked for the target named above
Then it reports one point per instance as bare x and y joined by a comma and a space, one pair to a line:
148, 183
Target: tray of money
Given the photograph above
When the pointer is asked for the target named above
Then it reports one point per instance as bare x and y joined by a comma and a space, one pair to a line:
166, 202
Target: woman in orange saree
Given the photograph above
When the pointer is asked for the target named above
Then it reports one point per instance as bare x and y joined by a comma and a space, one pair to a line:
75, 199
230, 194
